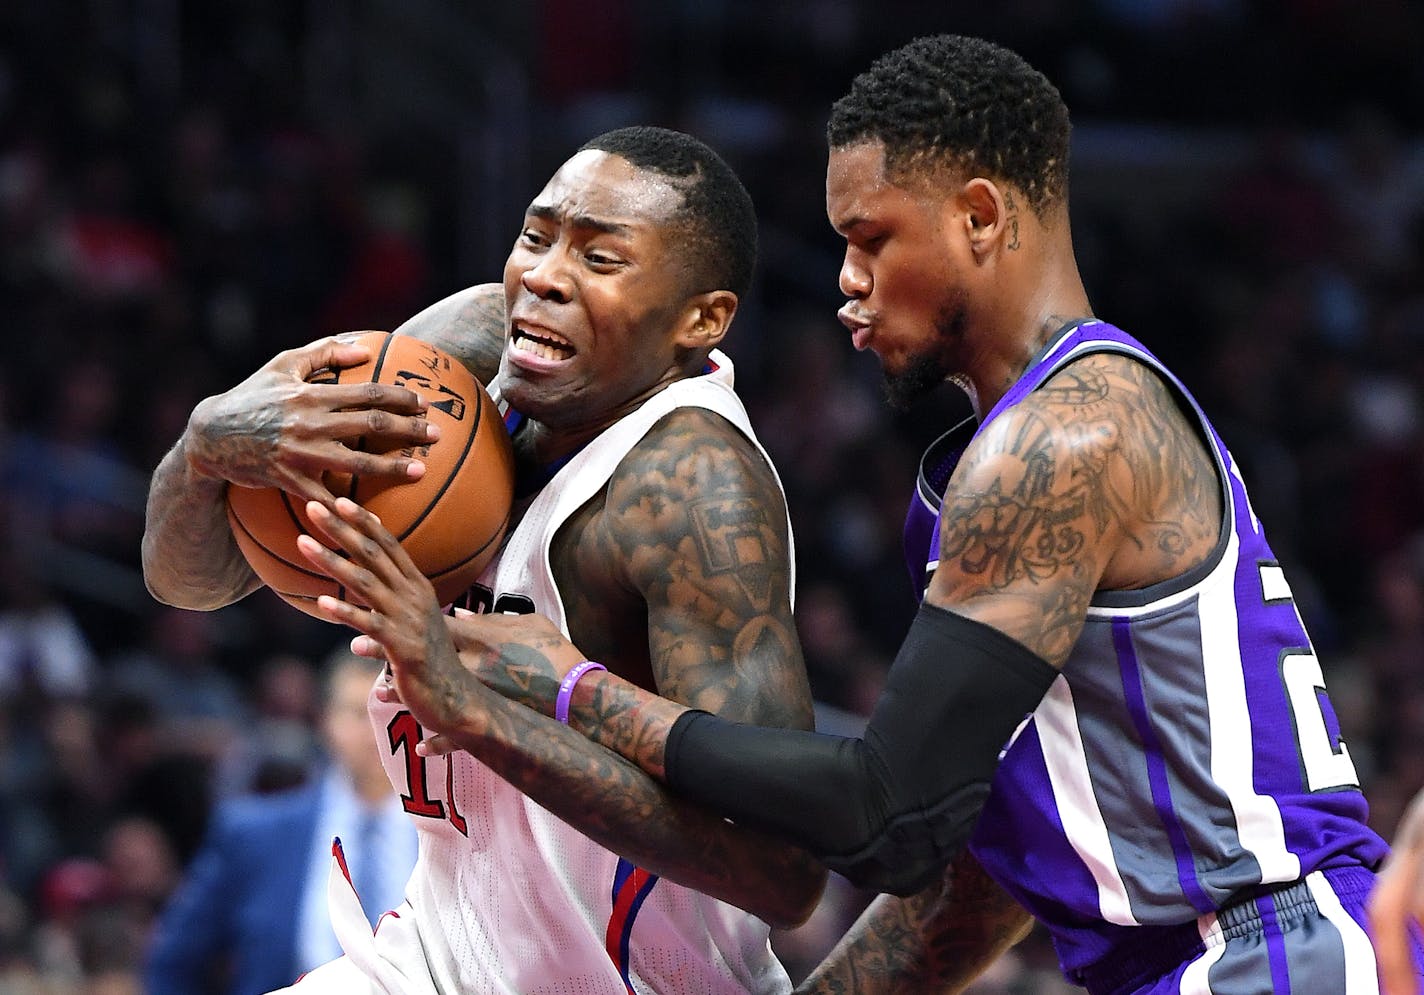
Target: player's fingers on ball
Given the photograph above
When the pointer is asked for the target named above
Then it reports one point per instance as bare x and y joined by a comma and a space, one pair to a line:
382, 398
396, 427
338, 568
325, 524
370, 526
376, 565
331, 351
348, 571
379, 465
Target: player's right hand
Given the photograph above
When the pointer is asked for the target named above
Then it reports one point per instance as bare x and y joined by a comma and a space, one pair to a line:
277, 430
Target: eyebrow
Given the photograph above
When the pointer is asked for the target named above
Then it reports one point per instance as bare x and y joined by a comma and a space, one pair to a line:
546, 213
848, 225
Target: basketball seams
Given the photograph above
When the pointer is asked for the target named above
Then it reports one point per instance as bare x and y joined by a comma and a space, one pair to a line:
495, 536
471, 437
276, 557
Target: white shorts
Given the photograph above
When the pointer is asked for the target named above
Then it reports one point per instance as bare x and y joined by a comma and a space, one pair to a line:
389, 960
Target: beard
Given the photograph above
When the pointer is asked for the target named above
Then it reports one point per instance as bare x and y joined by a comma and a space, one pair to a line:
928, 368
922, 374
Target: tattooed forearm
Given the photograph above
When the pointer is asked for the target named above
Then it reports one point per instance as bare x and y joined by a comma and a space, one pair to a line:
469, 325
935, 942
189, 556
618, 806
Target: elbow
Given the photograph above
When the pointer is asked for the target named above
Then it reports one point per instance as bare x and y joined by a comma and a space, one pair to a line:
901, 879
910, 851
797, 898
169, 590
166, 590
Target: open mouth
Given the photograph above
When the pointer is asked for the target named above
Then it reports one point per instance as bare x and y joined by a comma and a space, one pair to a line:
542, 343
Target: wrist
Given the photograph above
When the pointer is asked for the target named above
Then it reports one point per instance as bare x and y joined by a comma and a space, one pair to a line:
564, 699
190, 446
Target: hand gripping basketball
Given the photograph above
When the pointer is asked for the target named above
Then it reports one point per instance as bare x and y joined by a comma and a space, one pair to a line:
450, 520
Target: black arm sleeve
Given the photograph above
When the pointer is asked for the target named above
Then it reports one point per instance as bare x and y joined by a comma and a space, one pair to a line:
889, 810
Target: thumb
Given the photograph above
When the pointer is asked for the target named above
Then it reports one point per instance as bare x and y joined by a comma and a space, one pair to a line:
335, 352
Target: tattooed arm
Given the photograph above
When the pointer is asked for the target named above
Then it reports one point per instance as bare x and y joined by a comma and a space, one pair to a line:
469, 325
275, 429
1094, 481
683, 570
937, 941
694, 522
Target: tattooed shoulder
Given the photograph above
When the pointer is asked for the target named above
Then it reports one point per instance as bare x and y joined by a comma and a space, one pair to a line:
698, 517
695, 468
1096, 479
469, 324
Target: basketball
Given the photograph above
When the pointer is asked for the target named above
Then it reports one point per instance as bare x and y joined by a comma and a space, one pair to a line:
450, 521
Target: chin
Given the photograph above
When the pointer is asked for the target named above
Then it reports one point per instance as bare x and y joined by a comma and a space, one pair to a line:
914, 380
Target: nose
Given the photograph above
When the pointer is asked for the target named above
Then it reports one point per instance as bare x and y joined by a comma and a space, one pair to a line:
855, 279
547, 279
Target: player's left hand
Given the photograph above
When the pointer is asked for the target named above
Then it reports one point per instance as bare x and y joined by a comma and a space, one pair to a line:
394, 606
440, 665
1397, 903
524, 657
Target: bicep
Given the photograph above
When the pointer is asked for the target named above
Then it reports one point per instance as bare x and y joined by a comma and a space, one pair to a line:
700, 522
469, 324
1025, 533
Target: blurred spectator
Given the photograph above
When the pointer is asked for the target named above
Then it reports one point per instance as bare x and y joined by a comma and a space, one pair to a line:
251, 914
44, 654
66, 475
280, 747
177, 671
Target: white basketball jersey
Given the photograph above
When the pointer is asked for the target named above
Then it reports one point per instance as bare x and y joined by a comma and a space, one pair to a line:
507, 898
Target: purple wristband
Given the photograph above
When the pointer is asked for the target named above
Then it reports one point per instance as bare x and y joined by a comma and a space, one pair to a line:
566, 688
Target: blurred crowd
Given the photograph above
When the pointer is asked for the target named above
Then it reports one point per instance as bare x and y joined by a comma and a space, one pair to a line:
186, 190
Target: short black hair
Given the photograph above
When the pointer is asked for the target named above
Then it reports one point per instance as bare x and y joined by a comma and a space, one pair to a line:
963, 102
719, 220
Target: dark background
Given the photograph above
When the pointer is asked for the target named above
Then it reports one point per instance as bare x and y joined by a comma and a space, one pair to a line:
187, 188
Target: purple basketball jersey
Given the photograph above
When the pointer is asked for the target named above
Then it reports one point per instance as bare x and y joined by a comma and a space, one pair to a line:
1188, 752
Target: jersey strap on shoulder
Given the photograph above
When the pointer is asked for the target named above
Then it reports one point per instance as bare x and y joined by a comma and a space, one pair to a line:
891, 809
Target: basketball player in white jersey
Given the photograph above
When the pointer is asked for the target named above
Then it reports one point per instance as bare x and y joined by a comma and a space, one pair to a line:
650, 522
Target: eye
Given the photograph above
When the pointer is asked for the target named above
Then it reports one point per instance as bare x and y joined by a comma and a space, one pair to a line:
601, 259
533, 237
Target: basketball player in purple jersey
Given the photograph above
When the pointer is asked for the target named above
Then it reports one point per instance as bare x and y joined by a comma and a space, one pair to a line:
1107, 701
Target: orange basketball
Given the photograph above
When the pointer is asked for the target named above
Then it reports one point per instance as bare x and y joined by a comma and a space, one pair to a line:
450, 521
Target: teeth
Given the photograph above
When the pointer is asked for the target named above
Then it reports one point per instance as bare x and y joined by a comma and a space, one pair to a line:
546, 346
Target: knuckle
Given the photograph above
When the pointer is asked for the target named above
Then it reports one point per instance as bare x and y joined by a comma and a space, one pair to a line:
366, 463
380, 422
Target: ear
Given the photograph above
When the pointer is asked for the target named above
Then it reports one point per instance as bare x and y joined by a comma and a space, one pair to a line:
991, 219
706, 318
